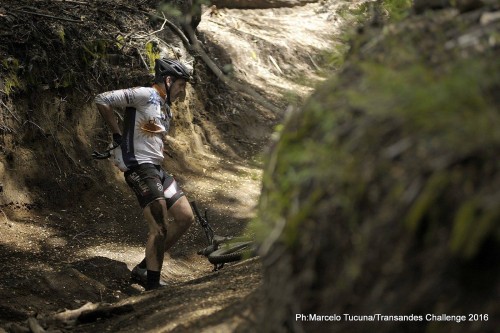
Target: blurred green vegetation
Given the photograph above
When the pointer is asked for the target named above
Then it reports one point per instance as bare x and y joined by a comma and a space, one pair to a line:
389, 11
395, 138
397, 10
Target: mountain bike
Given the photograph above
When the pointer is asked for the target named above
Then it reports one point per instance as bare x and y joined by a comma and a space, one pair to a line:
220, 249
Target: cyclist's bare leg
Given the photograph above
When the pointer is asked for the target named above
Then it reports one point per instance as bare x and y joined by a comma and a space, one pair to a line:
156, 216
183, 217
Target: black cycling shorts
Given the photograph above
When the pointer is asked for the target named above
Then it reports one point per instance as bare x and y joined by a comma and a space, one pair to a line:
150, 182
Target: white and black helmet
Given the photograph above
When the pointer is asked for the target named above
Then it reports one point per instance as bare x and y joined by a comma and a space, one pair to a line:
171, 67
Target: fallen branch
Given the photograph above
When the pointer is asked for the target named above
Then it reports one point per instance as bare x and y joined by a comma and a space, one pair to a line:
275, 63
91, 312
73, 1
179, 33
259, 4
11, 113
143, 60
70, 316
36, 125
151, 33
48, 16
35, 326
313, 62
105, 311
6, 129
5, 215
57, 164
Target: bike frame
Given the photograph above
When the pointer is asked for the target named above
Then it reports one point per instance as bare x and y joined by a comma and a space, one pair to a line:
213, 241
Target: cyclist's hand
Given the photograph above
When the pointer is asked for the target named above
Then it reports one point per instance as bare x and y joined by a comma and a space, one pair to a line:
101, 156
117, 139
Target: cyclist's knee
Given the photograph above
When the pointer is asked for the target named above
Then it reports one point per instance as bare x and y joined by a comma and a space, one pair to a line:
188, 220
158, 231
184, 217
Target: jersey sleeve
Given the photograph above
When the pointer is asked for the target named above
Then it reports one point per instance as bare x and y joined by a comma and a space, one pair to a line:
122, 97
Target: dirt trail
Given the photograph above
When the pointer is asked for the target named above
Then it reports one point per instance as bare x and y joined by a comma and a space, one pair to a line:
63, 259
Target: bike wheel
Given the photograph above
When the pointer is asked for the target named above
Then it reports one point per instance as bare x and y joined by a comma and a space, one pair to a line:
233, 252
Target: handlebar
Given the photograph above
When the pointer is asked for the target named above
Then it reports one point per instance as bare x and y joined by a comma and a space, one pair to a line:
105, 154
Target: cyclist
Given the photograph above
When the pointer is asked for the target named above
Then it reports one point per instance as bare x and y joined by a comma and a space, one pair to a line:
140, 156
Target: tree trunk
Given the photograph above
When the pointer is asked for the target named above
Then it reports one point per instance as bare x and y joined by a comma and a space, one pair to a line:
259, 4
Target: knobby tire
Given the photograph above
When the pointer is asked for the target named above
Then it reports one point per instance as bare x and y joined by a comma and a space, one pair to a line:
233, 252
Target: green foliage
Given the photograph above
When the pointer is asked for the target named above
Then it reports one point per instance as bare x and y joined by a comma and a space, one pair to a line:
11, 79
337, 149
173, 10
390, 173
120, 42
169, 9
12, 82
390, 10
94, 49
61, 34
291, 97
397, 9
152, 53
472, 225
429, 197
201, 3
335, 58
440, 104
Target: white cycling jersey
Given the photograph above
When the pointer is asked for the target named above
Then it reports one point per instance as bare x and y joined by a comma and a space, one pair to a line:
145, 124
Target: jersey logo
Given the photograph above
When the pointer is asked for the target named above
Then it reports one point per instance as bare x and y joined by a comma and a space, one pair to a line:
154, 98
130, 95
152, 126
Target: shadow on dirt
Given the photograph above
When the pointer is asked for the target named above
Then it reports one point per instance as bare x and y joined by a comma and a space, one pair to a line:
232, 289
54, 270
97, 279
112, 274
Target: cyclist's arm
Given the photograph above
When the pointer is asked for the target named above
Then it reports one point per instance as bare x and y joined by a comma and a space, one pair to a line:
118, 98
109, 117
